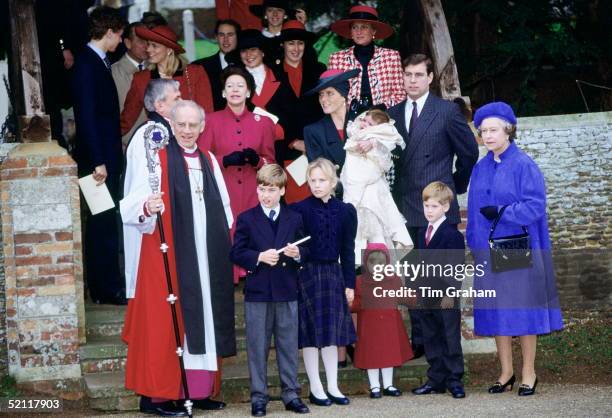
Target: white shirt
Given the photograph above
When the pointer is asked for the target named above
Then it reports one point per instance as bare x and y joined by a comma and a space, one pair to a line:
134, 62
259, 74
267, 211
269, 34
222, 60
420, 102
436, 225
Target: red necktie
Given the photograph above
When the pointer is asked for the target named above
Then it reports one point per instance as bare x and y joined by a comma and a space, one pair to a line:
428, 234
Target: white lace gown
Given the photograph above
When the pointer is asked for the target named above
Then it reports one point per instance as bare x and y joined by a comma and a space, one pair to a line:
366, 188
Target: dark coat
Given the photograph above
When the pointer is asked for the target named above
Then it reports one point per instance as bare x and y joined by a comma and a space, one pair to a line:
255, 234
96, 113
441, 133
322, 140
306, 108
212, 66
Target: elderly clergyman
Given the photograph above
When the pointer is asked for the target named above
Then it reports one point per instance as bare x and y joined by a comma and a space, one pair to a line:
194, 207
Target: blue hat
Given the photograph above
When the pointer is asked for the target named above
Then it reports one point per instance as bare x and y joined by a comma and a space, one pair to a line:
337, 79
499, 110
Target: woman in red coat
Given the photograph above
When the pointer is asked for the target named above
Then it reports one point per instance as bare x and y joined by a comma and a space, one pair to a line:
382, 341
241, 141
163, 50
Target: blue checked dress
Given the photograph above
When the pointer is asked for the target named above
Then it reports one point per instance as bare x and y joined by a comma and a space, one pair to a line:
324, 315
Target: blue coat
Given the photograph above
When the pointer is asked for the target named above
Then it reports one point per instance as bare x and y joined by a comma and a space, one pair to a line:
254, 234
441, 133
96, 114
526, 300
332, 227
322, 140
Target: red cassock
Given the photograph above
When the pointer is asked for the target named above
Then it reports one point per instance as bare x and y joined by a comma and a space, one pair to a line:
238, 10
382, 340
194, 85
152, 367
226, 132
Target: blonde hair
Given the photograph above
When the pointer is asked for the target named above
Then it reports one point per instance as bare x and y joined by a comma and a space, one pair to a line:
175, 62
438, 191
327, 167
272, 175
379, 116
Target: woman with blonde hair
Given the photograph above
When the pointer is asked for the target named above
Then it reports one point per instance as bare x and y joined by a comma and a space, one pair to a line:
165, 61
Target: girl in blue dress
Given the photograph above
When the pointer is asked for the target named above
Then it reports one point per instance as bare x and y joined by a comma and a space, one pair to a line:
526, 302
326, 285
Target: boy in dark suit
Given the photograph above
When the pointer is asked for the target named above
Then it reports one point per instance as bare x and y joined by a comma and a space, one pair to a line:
270, 293
440, 244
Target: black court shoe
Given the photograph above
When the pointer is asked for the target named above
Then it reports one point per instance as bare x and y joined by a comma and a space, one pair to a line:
525, 390
375, 394
163, 409
338, 401
498, 387
319, 402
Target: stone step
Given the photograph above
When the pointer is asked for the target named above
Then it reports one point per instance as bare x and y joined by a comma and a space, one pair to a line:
103, 354
106, 391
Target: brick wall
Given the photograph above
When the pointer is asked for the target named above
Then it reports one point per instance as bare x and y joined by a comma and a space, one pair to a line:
42, 262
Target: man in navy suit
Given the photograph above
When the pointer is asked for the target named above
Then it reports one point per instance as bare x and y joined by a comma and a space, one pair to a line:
270, 292
98, 150
435, 133
226, 33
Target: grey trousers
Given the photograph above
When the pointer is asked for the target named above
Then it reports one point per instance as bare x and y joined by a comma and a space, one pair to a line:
263, 319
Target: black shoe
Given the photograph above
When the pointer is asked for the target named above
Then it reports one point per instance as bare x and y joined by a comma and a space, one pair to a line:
525, 390
498, 387
457, 392
342, 364
338, 401
427, 389
297, 406
418, 351
163, 409
319, 402
258, 409
392, 391
209, 404
375, 394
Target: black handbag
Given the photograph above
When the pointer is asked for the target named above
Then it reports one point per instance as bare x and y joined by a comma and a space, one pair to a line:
511, 252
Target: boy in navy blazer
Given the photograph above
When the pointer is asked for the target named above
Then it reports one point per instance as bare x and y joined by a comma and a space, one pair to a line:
440, 244
270, 292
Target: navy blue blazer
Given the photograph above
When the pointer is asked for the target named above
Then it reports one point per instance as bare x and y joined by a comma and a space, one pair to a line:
254, 234
447, 246
96, 114
441, 133
322, 140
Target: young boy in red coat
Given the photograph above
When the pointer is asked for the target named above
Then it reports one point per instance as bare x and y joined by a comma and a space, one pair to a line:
382, 341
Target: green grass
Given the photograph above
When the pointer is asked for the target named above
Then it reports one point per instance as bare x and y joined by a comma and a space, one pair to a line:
587, 343
8, 388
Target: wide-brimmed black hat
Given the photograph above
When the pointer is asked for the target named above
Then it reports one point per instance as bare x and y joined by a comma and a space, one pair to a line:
294, 29
260, 9
250, 38
334, 78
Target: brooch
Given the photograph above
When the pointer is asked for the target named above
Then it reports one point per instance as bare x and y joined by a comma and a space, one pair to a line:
257, 118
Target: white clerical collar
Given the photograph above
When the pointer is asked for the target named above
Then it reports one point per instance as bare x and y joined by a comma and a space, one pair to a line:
189, 152
267, 211
437, 224
259, 74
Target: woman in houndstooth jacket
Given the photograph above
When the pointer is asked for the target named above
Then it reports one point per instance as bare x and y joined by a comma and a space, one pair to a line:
382, 83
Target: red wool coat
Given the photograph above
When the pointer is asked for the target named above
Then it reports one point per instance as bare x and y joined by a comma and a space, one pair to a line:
238, 10
225, 133
384, 73
382, 340
193, 86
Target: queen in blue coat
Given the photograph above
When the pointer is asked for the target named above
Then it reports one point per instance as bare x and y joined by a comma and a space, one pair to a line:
526, 303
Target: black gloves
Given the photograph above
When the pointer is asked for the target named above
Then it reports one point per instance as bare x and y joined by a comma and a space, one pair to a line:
234, 158
489, 212
251, 157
